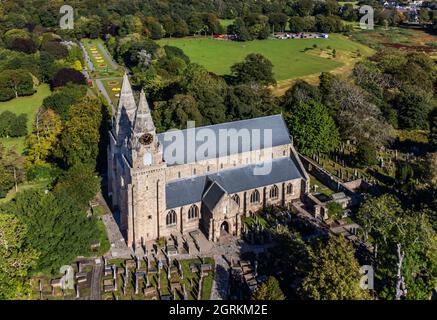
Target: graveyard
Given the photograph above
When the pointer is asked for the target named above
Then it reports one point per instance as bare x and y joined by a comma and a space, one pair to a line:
128, 279
154, 279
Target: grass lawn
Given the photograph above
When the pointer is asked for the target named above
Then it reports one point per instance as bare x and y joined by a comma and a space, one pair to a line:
113, 88
207, 281
291, 58
41, 185
103, 237
28, 105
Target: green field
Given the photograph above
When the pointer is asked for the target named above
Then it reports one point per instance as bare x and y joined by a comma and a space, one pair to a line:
291, 58
28, 105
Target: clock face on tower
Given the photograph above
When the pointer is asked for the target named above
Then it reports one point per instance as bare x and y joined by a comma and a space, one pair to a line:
147, 159
146, 139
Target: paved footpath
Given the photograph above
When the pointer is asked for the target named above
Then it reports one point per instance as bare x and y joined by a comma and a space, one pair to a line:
104, 92
220, 286
119, 248
108, 56
95, 281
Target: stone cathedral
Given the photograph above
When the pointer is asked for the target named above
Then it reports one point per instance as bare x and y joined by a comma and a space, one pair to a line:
158, 197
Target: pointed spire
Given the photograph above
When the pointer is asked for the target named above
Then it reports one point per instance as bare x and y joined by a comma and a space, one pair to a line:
143, 121
127, 100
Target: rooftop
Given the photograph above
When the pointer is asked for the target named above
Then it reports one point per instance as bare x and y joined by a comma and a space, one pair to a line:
234, 133
187, 191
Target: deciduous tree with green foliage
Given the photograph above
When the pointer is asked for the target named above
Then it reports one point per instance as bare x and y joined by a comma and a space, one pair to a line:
255, 69
269, 290
57, 228
17, 258
335, 272
80, 138
389, 225
312, 128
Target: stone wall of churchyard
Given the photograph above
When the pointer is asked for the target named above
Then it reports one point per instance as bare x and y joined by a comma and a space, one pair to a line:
333, 182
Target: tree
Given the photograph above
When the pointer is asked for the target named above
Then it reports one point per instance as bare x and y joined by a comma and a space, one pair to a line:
432, 137
358, 119
240, 30
269, 290
300, 92
255, 69
63, 98
390, 226
25, 45
17, 258
80, 183
15, 83
365, 155
335, 210
431, 169
12, 125
295, 258
209, 91
246, 102
68, 76
405, 178
44, 137
57, 228
312, 128
278, 21
79, 141
304, 7
55, 49
297, 24
335, 272
179, 110
414, 106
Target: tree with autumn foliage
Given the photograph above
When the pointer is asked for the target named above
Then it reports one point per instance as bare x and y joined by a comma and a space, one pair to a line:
44, 137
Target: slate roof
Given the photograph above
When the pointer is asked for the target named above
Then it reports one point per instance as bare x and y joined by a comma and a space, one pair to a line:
213, 195
280, 136
191, 190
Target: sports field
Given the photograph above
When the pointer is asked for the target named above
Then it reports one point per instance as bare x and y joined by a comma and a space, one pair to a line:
291, 58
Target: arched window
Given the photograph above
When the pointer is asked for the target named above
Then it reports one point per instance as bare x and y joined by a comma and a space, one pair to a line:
254, 197
193, 213
171, 218
236, 198
289, 188
274, 192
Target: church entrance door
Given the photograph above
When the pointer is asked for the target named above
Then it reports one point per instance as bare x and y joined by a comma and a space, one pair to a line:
224, 229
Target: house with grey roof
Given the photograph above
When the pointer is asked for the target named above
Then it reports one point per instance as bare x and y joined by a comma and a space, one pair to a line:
205, 178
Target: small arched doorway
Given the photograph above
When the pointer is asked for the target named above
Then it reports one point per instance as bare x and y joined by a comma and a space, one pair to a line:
224, 228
